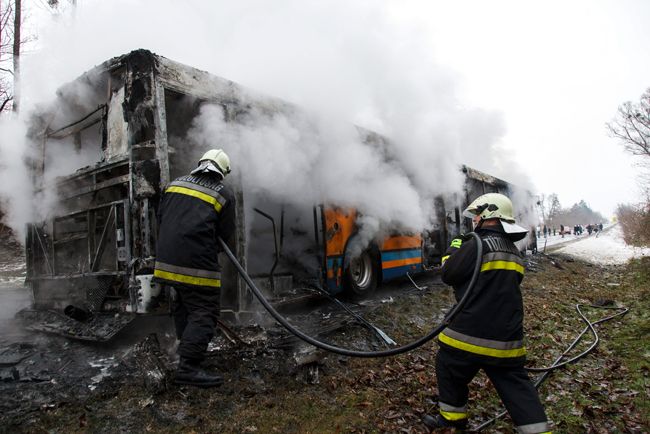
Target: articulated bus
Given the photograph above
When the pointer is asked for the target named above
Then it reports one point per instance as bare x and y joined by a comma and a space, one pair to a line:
129, 118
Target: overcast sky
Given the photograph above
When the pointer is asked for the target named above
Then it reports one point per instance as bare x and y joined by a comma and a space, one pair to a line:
550, 74
558, 71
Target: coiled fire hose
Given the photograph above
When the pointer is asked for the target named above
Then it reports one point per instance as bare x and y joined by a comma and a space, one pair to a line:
556, 364
355, 353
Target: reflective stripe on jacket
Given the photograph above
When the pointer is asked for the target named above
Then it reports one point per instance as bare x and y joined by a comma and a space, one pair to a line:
191, 276
194, 211
205, 194
490, 326
484, 347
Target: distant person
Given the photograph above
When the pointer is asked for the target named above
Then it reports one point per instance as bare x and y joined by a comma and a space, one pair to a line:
488, 332
600, 226
589, 228
545, 231
562, 230
553, 230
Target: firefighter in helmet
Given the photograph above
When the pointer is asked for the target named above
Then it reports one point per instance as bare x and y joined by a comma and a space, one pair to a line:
195, 209
488, 332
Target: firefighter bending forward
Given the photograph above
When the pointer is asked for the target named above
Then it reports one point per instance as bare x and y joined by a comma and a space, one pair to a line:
488, 333
195, 209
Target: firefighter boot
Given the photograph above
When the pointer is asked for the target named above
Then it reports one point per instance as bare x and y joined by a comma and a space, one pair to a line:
189, 373
435, 422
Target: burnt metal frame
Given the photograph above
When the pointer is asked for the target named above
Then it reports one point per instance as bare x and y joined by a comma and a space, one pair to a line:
70, 129
94, 258
79, 124
43, 249
160, 84
278, 246
137, 210
99, 251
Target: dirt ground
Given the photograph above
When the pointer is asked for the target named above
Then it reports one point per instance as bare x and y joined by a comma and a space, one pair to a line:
273, 383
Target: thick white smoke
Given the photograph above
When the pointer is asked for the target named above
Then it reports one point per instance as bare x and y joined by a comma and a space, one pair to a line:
348, 62
303, 160
28, 172
15, 183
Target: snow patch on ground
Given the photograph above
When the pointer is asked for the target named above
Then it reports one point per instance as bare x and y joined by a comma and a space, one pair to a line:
608, 248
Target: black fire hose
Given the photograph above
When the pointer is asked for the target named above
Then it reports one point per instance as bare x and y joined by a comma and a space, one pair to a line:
589, 327
355, 353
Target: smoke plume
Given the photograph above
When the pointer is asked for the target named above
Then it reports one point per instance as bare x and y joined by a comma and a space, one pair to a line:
15, 183
346, 63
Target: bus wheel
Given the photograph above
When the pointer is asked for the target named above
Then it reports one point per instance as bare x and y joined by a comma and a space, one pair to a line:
361, 275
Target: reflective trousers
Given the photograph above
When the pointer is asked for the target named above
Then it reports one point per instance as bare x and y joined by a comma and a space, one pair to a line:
195, 312
456, 369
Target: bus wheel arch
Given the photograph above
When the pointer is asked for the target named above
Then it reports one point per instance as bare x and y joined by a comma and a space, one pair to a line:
361, 268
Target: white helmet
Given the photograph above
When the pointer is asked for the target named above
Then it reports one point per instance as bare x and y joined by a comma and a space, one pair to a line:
496, 206
491, 206
215, 160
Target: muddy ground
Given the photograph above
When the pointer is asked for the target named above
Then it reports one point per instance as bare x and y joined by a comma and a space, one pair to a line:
275, 384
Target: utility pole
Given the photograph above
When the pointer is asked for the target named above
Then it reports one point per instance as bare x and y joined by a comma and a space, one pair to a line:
16, 54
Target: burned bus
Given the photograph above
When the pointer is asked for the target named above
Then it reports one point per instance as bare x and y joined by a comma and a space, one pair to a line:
129, 119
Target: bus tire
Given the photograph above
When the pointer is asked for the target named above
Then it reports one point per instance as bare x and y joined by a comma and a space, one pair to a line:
361, 274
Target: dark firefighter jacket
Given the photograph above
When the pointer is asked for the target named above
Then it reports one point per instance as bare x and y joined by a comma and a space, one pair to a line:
490, 326
194, 210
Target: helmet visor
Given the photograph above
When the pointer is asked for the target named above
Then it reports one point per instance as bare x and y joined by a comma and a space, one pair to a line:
469, 212
475, 209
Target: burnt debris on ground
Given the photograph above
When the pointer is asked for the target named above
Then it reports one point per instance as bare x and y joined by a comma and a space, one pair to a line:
43, 373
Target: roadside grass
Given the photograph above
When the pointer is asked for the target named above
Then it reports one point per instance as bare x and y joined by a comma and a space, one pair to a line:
632, 345
303, 411
608, 390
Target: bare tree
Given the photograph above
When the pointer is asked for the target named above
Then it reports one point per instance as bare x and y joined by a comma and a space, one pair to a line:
6, 47
16, 53
553, 206
631, 125
12, 41
579, 214
541, 204
549, 207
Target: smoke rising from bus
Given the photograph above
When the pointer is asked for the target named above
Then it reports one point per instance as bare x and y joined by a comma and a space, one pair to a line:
348, 63
298, 160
